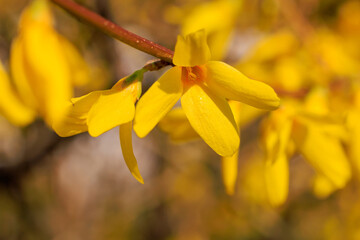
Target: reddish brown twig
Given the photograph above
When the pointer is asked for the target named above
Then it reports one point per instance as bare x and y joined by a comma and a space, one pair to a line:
116, 31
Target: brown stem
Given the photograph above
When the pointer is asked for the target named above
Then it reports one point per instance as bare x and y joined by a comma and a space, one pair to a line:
116, 31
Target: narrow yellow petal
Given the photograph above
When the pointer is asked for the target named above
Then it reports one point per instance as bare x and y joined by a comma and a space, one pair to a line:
127, 150
276, 134
176, 124
74, 120
211, 117
229, 169
20, 73
191, 50
276, 137
230, 83
323, 152
10, 105
158, 101
110, 110
277, 180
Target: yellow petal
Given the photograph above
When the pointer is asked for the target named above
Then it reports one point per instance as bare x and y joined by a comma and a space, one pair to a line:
78, 67
322, 186
176, 124
36, 12
110, 110
49, 72
211, 117
75, 119
229, 169
214, 17
230, 83
218, 19
273, 46
127, 150
20, 74
277, 180
276, 133
10, 105
158, 101
323, 152
191, 50
277, 130
354, 139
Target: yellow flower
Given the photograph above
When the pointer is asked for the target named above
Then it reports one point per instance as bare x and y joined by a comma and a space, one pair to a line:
11, 106
310, 130
100, 111
203, 87
44, 64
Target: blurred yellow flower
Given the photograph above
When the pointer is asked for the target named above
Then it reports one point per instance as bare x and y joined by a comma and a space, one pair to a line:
203, 87
100, 111
44, 64
314, 134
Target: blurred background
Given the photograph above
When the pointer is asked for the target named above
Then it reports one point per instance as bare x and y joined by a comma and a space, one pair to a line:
80, 188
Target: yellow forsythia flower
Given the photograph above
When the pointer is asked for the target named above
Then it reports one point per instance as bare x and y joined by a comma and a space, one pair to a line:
100, 111
44, 64
203, 87
11, 106
316, 136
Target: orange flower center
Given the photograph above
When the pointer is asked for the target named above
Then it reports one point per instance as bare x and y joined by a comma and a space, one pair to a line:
192, 75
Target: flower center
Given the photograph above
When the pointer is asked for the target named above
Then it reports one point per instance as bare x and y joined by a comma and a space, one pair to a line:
192, 75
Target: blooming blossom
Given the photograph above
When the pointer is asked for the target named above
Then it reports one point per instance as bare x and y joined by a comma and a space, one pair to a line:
203, 87
100, 111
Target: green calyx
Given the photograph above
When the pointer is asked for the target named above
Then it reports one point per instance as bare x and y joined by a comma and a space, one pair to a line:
136, 76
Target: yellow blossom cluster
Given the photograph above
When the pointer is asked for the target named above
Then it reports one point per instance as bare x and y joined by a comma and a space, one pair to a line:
316, 76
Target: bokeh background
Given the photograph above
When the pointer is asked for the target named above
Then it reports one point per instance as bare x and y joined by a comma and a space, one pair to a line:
80, 188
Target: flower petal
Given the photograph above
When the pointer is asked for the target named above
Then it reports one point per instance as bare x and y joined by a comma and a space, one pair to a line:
323, 187
75, 119
229, 169
127, 150
10, 105
49, 72
19, 73
158, 101
230, 83
323, 152
211, 117
191, 50
353, 120
110, 110
277, 180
